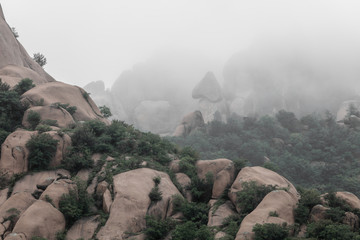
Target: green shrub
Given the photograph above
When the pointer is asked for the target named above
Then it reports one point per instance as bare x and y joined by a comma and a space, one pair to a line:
23, 86
33, 118
327, 230
192, 211
270, 231
231, 225
335, 214
41, 128
105, 111
77, 159
69, 109
155, 194
251, 195
185, 231
309, 198
40, 59
42, 149
50, 122
157, 229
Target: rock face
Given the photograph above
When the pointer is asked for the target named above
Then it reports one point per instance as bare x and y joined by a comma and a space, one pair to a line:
29, 182
343, 110
15, 63
132, 202
190, 122
208, 88
279, 201
318, 212
14, 154
222, 170
40, 219
16, 205
58, 92
261, 176
349, 198
63, 117
218, 214
3, 195
83, 228
55, 190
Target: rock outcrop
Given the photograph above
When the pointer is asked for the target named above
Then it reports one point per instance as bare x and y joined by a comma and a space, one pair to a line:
58, 92
132, 202
218, 214
191, 122
222, 170
261, 176
208, 88
40, 219
16, 205
15, 63
63, 118
83, 228
349, 198
280, 202
14, 154
55, 191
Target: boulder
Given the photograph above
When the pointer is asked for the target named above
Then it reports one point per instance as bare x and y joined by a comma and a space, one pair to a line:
28, 183
222, 171
3, 195
107, 201
132, 203
318, 212
279, 201
189, 123
352, 220
16, 205
261, 176
217, 214
58, 188
14, 154
15, 236
101, 188
184, 182
349, 198
44, 184
52, 112
58, 92
83, 228
220, 235
40, 219
83, 174
208, 88
174, 165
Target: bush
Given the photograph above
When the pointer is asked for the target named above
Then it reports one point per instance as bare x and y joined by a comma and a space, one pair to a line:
23, 86
41, 128
77, 159
309, 198
105, 111
155, 194
185, 231
40, 59
251, 195
270, 231
42, 149
327, 230
34, 119
157, 229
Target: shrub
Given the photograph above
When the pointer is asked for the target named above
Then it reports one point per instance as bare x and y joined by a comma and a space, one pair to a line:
40, 59
41, 128
251, 195
309, 198
327, 230
50, 122
23, 86
34, 119
155, 194
42, 149
69, 109
77, 159
157, 229
105, 111
270, 231
185, 231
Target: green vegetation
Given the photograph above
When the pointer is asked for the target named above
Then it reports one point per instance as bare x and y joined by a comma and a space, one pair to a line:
327, 230
40, 59
24, 85
34, 119
42, 149
157, 229
66, 106
105, 111
155, 194
270, 231
313, 152
309, 198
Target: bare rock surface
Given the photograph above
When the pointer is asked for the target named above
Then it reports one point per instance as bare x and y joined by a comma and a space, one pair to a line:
107, 201
14, 154
189, 123
40, 219
132, 202
63, 117
184, 182
279, 201
83, 228
3, 195
261, 176
318, 212
55, 190
58, 92
16, 205
350, 198
217, 214
15, 236
208, 88
29, 182
222, 171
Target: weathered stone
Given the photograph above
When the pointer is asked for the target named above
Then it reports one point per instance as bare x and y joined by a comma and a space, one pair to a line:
208, 88
318, 212
184, 182
55, 191
83, 228
189, 123
3, 195
352, 220
218, 214
107, 201
44, 184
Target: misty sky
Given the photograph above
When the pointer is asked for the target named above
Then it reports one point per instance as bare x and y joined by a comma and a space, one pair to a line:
89, 40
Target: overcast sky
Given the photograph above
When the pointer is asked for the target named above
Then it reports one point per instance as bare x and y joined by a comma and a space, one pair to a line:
89, 40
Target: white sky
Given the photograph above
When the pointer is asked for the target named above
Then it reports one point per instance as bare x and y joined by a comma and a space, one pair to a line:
89, 40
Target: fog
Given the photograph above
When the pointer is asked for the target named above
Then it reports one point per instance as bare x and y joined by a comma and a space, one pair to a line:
302, 56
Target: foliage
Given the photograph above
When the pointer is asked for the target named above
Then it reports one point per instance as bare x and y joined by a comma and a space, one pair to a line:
105, 111
50, 122
270, 231
42, 149
189, 230
327, 230
40, 59
16, 34
309, 198
192, 211
251, 195
66, 106
77, 159
155, 194
231, 225
24, 85
33, 118
157, 229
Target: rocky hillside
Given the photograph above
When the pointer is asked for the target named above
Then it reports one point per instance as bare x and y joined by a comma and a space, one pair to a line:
66, 172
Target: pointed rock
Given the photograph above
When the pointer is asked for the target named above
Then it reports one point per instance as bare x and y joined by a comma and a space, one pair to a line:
208, 88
